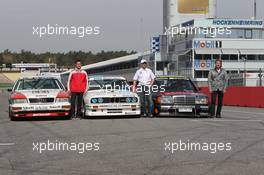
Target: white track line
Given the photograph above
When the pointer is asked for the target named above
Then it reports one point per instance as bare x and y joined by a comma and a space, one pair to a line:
7, 144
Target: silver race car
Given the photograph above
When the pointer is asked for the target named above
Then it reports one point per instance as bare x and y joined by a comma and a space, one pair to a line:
38, 97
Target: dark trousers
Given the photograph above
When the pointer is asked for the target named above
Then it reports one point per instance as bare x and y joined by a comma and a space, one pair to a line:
220, 96
76, 100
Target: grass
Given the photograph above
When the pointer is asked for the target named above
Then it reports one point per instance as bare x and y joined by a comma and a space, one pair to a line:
4, 86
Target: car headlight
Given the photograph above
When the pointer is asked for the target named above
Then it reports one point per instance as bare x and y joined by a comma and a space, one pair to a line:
97, 100
201, 101
62, 100
131, 99
94, 100
128, 100
19, 101
166, 99
100, 100
134, 100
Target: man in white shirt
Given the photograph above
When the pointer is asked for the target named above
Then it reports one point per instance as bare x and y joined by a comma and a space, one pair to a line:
144, 79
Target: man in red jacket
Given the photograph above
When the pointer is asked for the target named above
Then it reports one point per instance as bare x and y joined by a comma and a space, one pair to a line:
78, 86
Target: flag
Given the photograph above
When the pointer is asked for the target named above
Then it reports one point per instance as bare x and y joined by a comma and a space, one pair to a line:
155, 44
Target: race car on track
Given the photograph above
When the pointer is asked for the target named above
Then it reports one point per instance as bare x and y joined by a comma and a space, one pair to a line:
38, 96
179, 96
110, 96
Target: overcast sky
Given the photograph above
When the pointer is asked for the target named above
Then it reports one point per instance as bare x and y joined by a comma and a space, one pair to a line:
124, 24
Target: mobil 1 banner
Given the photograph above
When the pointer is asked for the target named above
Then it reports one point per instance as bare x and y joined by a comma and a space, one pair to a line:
207, 44
203, 64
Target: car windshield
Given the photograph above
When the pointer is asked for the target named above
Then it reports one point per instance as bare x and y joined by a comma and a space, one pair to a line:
117, 84
38, 83
176, 85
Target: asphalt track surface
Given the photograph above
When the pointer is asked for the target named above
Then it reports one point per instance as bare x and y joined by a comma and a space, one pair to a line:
134, 145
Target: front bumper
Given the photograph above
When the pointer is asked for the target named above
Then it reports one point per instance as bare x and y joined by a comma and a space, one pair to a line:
183, 110
43, 110
41, 114
113, 110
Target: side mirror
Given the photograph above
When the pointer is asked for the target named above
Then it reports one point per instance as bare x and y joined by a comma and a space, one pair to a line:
9, 90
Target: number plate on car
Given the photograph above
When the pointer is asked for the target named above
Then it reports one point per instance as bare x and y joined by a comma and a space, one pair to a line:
185, 109
41, 108
115, 106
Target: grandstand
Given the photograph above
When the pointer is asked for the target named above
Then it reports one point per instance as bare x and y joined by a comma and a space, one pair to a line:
10, 75
125, 66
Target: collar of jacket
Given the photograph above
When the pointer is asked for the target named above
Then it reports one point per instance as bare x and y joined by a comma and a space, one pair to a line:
219, 69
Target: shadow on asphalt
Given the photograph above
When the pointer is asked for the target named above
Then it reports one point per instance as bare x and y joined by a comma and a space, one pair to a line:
184, 117
111, 117
131, 117
40, 119
105, 118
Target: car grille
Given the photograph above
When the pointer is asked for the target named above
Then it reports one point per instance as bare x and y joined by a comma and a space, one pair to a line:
115, 100
41, 100
184, 100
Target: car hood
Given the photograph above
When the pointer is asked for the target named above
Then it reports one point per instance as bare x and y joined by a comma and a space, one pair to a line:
105, 93
40, 93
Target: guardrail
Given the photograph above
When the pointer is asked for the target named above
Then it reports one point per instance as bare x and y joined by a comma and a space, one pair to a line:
242, 96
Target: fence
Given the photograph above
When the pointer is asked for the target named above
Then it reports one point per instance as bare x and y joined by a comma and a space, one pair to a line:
242, 96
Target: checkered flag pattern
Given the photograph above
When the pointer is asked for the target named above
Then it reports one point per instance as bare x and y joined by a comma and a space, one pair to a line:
155, 44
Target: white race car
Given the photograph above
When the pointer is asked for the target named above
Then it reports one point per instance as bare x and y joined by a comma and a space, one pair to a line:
110, 96
38, 97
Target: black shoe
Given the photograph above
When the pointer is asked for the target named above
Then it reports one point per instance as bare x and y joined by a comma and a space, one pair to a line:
79, 115
218, 116
144, 115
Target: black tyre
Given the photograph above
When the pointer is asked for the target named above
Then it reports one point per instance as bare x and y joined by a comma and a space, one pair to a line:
68, 117
12, 118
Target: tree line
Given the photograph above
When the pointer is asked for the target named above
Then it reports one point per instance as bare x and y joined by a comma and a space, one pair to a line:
61, 59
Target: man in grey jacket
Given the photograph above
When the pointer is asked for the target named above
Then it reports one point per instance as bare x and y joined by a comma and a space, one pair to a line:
218, 81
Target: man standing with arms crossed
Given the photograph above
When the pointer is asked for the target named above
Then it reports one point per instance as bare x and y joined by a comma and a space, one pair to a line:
217, 81
77, 86
145, 79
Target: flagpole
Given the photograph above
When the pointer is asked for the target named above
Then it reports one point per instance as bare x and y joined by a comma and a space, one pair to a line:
255, 9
